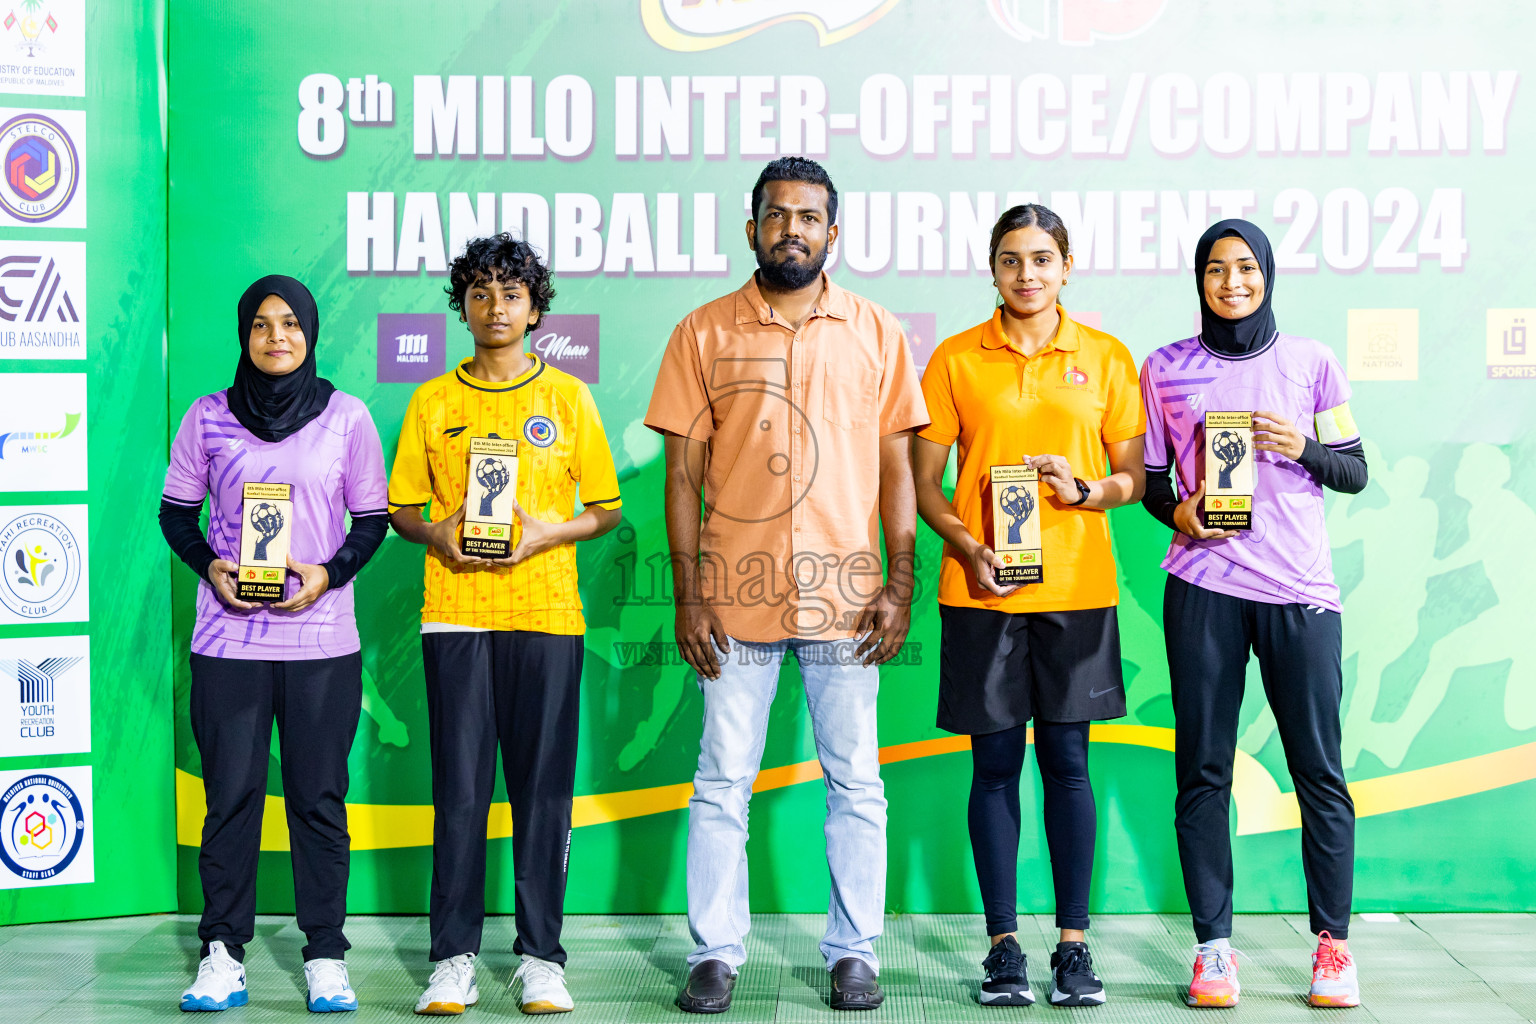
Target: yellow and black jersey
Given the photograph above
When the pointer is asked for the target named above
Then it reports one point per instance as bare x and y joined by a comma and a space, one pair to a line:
562, 449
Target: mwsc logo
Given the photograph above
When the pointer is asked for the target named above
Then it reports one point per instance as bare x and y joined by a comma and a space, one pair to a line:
692, 25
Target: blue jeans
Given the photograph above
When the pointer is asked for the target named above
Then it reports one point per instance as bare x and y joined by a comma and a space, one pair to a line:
841, 695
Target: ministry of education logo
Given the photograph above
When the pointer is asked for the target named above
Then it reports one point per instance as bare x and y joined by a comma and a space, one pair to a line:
42, 168
42, 561
43, 42
43, 829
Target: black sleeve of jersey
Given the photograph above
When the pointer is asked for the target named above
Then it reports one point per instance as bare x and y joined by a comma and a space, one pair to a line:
178, 522
1158, 498
1338, 469
363, 539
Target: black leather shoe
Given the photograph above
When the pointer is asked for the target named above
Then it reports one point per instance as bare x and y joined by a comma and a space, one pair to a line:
854, 986
708, 989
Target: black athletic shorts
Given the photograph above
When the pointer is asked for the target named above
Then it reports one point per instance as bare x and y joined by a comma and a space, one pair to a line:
998, 670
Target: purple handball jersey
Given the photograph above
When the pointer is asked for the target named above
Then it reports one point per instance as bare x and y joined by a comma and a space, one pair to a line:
1285, 558
335, 464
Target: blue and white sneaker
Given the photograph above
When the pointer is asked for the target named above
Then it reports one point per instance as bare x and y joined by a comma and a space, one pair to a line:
220, 982
329, 989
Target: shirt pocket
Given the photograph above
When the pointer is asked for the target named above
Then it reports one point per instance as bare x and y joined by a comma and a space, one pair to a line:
850, 395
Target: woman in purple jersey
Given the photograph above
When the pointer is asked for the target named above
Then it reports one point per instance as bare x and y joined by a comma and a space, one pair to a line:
1268, 590
295, 660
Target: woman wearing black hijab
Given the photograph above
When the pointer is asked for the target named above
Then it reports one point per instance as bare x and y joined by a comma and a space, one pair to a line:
295, 661
1269, 589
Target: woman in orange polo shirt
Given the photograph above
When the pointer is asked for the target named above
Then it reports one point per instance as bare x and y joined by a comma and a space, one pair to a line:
1031, 386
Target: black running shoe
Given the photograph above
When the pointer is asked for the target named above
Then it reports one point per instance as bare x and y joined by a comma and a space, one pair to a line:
1073, 982
1006, 983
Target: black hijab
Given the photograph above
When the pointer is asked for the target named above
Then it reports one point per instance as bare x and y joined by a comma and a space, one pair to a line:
1252, 332
274, 407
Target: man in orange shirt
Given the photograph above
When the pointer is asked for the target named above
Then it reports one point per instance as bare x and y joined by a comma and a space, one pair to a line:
792, 402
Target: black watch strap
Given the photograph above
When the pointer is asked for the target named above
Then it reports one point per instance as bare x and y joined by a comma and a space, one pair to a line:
1082, 491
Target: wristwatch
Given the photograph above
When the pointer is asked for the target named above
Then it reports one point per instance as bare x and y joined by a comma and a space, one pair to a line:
1082, 491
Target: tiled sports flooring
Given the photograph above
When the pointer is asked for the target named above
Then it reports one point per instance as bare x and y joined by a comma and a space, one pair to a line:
1415, 969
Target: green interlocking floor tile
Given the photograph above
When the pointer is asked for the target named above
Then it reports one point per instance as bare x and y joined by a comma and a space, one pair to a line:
1519, 996
1445, 1013
1423, 969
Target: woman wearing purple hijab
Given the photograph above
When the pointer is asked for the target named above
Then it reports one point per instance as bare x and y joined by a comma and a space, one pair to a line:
1268, 590
295, 661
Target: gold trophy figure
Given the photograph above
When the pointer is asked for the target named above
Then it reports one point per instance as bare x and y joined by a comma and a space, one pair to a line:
1228, 470
1016, 524
490, 488
266, 528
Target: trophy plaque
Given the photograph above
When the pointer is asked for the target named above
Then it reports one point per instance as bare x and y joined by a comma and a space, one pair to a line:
1228, 470
488, 497
266, 526
1016, 524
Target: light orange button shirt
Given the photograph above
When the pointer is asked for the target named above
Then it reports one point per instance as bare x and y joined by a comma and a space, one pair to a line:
793, 419
1073, 397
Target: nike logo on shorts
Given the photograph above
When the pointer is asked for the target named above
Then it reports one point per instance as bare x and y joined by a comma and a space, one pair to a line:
1099, 693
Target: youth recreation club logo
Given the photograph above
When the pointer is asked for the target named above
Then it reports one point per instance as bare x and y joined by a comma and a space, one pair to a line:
42, 828
692, 25
42, 561
42, 168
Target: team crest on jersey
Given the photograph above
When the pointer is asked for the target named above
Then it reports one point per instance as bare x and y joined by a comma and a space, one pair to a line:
1075, 377
540, 431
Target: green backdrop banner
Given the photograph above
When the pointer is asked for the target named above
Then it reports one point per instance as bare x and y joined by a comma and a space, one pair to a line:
86, 804
356, 146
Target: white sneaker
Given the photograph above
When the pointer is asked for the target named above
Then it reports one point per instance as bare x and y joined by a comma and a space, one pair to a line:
451, 987
329, 989
543, 987
220, 982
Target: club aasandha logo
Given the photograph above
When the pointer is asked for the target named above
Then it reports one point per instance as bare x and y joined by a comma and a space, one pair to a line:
42, 168
691, 25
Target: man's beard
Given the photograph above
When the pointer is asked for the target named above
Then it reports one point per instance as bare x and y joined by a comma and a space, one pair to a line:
788, 274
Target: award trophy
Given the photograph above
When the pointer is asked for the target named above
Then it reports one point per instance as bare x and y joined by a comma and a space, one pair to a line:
266, 526
1016, 524
488, 494
1229, 470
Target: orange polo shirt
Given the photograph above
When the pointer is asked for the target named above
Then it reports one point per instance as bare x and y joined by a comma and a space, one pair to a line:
1073, 397
790, 544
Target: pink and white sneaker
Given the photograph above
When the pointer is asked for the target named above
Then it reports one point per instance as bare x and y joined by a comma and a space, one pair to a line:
1334, 982
1215, 982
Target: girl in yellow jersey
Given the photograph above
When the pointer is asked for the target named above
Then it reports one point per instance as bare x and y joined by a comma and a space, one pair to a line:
1030, 385
502, 639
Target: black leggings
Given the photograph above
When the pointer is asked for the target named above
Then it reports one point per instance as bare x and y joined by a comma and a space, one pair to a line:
1061, 748
1298, 647
316, 704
